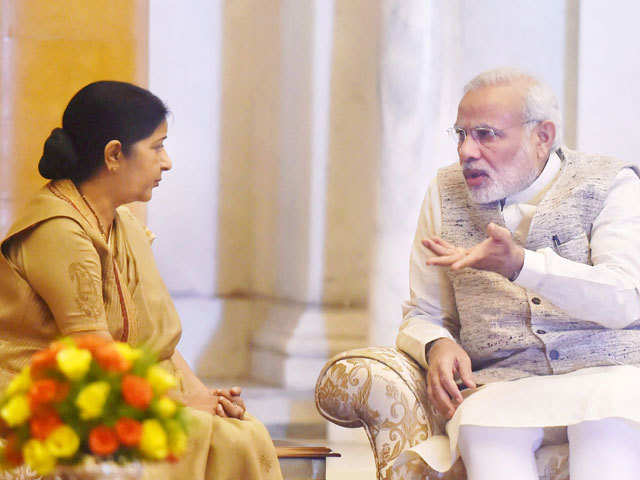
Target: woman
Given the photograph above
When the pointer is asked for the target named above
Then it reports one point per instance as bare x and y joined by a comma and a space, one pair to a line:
76, 261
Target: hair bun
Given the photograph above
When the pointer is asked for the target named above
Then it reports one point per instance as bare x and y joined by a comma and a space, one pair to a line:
59, 158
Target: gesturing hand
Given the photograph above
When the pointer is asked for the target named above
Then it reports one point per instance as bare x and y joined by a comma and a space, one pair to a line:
497, 253
447, 360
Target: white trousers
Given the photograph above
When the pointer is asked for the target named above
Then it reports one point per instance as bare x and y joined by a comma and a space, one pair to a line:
598, 450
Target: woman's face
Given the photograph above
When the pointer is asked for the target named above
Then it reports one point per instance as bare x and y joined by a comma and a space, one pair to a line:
142, 168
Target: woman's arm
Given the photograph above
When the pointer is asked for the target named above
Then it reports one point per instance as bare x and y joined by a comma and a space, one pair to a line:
225, 403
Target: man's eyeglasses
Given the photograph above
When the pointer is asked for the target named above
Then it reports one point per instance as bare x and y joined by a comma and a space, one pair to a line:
482, 135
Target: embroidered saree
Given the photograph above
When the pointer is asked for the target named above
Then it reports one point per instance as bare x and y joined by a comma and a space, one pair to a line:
59, 275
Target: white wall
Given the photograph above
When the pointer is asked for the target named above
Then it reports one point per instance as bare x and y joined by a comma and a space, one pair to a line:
184, 71
608, 76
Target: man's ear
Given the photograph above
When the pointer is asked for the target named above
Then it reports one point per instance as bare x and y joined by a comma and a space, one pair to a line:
545, 136
113, 155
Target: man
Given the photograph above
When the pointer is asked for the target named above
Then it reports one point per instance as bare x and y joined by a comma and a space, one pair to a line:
525, 278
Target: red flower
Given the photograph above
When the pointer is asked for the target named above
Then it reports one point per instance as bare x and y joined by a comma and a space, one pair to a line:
129, 431
137, 391
109, 358
43, 422
12, 450
103, 440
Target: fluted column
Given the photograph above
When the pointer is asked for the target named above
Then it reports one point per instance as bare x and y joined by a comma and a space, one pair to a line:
48, 51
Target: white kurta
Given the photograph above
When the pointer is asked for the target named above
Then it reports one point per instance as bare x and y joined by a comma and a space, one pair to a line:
607, 292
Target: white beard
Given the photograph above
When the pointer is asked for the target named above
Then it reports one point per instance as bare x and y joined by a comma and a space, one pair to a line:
511, 179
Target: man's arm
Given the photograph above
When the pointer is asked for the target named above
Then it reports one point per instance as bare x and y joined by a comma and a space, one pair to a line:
607, 292
430, 313
430, 318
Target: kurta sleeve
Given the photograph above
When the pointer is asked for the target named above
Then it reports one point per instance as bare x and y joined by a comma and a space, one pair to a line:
430, 313
58, 259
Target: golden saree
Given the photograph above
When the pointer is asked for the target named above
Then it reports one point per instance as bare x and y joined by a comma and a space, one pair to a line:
59, 275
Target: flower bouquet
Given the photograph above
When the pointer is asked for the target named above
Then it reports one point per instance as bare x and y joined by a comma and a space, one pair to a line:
90, 399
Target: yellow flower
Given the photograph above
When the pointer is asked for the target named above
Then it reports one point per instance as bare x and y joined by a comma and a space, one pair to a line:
16, 411
91, 400
127, 352
21, 383
177, 437
63, 442
153, 442
177, 442
160, 379
164, 407
38, 457
74, 362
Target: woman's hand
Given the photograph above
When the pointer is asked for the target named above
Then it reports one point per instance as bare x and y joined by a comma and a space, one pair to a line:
200, 399
229, 402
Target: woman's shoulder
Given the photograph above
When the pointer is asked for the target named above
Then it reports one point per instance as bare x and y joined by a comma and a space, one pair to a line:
45, 205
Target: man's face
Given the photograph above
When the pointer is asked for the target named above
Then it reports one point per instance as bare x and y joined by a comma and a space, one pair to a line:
508, 163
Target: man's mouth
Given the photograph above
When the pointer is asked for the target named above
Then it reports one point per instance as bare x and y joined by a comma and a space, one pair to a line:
474, 177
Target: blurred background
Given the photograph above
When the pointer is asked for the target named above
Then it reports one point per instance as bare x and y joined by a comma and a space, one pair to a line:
303, 135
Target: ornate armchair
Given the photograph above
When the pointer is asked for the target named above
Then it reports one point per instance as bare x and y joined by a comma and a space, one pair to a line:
384, 391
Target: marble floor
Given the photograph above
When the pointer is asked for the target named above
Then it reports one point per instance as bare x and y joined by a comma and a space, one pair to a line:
356, 461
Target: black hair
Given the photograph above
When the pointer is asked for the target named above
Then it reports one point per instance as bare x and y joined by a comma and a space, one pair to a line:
98, 113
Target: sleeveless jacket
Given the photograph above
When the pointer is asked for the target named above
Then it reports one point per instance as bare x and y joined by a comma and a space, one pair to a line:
511, 332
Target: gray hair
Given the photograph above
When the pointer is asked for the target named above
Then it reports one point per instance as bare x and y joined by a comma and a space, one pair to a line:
540, 103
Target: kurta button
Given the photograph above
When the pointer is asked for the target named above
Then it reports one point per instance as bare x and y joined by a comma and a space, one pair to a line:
541, 332
536, 300
554, 355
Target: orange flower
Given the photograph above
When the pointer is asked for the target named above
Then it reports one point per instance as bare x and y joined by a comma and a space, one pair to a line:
62, 390
45, 421
12, 450
42, 391
90, 342
109, 358
103, 440
129, 431
137, 391
44, 360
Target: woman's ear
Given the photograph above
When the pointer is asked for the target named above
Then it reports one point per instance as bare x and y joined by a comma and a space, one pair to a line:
113, 155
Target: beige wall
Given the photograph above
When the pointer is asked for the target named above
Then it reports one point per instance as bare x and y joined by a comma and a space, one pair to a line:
48, 51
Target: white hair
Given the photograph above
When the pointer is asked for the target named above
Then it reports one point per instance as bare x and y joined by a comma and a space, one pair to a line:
540, 103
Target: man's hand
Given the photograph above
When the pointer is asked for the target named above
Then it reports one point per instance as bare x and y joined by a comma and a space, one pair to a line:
498, 253
447, 360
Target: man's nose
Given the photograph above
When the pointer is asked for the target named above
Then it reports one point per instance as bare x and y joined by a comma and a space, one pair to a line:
468, 149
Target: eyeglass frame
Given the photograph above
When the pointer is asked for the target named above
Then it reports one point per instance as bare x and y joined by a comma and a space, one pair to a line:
454, 132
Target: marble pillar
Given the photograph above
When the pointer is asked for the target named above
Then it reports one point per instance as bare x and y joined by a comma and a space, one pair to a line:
275, 212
